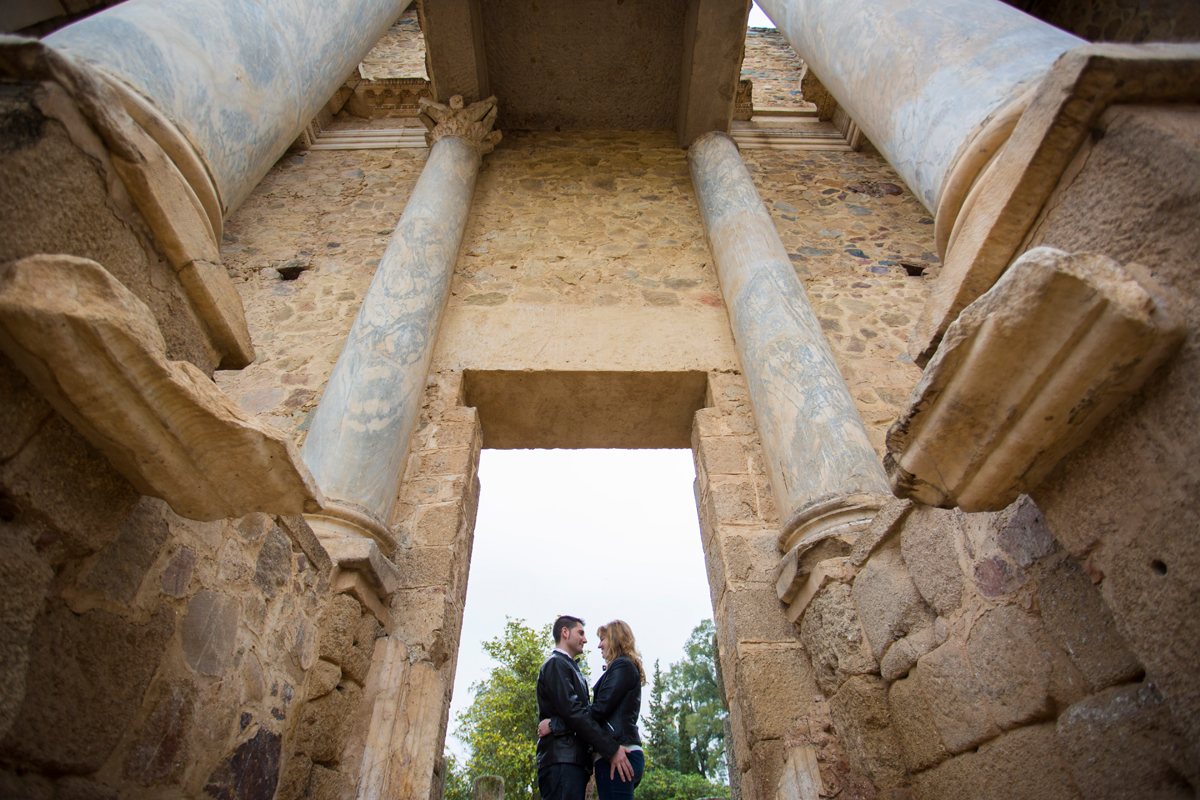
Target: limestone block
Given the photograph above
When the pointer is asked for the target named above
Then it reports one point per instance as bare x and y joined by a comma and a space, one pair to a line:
902, 656
775, 686
293, 779
929, 547
1123, 742
296, 527
209, 631
887, 522
863, 718
325, 676
834, 638
833, 570
888, 603
87, 676
251, 772
918, 736
25, 578
1025, 764
97, 354
801, 779
177, 577
954, 698
325, 723
488, 787
1024, 375
362, 555
1025, 536
1076, 616
753, 614
1006, 661
338, 627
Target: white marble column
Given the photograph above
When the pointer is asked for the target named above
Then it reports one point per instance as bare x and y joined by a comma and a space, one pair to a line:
922, 78
822, 467
358, 440
237, 79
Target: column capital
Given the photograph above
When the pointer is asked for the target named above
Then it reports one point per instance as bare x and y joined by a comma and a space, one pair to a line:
473, 123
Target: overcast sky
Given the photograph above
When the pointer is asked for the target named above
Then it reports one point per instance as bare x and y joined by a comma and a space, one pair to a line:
600, 534
758, 19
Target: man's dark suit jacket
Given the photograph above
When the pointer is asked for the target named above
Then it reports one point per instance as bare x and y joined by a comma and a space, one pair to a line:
562, 692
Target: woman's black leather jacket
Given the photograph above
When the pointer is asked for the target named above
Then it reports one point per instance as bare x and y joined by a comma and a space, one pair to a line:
616, 701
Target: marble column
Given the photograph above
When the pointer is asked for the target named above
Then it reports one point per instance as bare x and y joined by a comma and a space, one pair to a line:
358, 441
825, 474
924, 78
233, 81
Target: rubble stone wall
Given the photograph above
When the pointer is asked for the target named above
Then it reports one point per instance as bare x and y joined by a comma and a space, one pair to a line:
143, 653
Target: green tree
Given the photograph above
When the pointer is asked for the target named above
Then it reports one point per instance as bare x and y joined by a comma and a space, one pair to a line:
662, 738
695, 697
500, 726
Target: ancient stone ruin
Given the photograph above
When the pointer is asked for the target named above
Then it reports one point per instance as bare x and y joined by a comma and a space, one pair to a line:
916, 282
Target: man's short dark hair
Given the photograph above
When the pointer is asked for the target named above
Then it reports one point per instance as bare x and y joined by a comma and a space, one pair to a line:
565, 621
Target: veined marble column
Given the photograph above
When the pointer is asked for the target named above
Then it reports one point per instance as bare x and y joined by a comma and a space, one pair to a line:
826, 476
237, 79
358, 440
923, 78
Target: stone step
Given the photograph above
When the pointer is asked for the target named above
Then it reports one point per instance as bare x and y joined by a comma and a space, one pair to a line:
369, 139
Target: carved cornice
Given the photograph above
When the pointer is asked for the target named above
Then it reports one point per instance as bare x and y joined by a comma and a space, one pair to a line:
473, 123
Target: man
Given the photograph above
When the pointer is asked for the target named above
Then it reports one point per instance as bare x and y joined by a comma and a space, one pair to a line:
564, 761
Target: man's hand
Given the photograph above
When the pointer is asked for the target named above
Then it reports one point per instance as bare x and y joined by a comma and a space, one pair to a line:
620, 763
543, 728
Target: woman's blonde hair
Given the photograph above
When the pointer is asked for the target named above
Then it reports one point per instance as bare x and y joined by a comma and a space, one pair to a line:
618, 641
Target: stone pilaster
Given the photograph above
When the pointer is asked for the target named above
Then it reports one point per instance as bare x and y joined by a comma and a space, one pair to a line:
826, 477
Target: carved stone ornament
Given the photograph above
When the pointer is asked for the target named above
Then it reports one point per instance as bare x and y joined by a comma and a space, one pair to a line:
473, 122
1025, 375
97, 354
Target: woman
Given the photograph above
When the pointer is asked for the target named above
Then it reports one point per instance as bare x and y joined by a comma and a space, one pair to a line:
616, 701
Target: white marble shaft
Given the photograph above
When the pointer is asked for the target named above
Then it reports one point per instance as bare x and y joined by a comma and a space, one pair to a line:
816, 447
239, 78
358, 439
919, 75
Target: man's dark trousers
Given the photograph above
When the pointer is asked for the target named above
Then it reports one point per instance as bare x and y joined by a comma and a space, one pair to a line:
563, 782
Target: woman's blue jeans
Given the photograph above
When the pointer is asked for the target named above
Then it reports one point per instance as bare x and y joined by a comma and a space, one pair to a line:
615, 788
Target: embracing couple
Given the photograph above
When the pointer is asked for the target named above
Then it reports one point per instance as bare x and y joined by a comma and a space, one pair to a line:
573, 732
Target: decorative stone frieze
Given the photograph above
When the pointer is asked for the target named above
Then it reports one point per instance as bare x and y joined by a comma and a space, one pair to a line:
473, 123
96, 353
1024, 375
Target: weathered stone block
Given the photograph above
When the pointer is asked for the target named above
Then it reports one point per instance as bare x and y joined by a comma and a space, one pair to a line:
326, 784
273, 567
1123, 743
324, 677
251, 772
76, 787
1076, 616
22, 409
730, 455
428, 566
767, 758
325, 723
293, 781
775, 687
834, 638
1009, 666
1026, 537
338, 627
903, 654
863, 719
919, 740
1024, 764
61, 477
954, 698
24, 577
754, 613
87, 676
887, 601
445, 461
209, 631
177, 577
118, 572
740, 502
930, 551
159, 752
438, 525
886, 524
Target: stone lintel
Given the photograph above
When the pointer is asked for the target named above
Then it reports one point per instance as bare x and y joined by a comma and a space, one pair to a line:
306, 539
714, 36
986, 234
1024, 375
453, 31
96, 353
